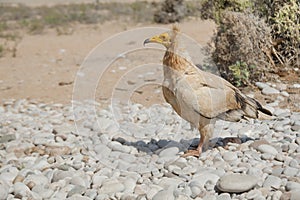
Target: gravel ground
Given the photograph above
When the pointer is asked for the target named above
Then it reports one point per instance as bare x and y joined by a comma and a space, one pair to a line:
136, 154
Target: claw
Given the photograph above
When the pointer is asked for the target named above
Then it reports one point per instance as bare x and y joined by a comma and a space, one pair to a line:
195, 153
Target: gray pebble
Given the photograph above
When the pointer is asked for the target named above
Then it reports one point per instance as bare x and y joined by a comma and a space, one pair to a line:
7, 138
60, 175
290, 171
102, 150
282, 112
195, 191
4, 188
267, 156
261, 85
277, 171
277, 195
200, 180
294, 163
91, 193
295, 127
295, 194
43, 192
37, 179
209, 197
21, 190
269, 91
169, 152
265, 148
111, 186
79, 197
129, 184
165, 194
292, 186
230, 156
253, 171
285, 94
77, 189
236, 183
224, 196
272, 181
279, 157
253, 194
78, 180
116, 146
292, 147
102, 197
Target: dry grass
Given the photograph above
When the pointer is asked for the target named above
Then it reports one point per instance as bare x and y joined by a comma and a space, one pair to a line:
36, 19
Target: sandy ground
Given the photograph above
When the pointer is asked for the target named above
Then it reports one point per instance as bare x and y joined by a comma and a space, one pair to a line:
46, 65
34, 3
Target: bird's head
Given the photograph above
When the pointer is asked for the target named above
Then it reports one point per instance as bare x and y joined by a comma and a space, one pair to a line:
166, 39
163, 39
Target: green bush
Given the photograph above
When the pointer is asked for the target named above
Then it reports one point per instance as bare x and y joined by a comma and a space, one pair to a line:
241, 73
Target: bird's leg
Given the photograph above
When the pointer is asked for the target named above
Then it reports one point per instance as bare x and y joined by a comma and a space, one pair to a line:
206, 131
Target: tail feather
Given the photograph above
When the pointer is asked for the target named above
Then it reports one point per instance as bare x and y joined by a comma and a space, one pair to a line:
250, 106
264, 110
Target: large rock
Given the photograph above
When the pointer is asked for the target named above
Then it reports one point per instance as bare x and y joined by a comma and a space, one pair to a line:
236, 183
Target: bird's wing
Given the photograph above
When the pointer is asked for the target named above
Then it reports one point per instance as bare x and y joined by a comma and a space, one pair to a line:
208, 94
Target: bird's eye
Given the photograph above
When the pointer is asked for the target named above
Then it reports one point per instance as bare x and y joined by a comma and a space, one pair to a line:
163, 37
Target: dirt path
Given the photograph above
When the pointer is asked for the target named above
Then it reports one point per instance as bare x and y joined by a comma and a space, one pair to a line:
45, 65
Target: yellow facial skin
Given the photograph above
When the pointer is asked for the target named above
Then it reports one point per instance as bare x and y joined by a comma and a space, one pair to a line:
163, 39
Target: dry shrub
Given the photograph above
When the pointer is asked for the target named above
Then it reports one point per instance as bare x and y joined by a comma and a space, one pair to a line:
171, 11
285, 23
240, 46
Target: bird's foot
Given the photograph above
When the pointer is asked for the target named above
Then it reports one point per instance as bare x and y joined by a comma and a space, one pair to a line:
192, 152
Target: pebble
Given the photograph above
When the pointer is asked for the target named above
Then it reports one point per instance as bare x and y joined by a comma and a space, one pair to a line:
290, 171
265, 148
77, 189
296, 85
253, 194
292, 186
20, 190
272, 182
261, 85
169, 152
235, 183
164, 194
224, 196
4, 189
277, 195
285, 94
295, 194
269, 91
7, 138
111, 186
230, 156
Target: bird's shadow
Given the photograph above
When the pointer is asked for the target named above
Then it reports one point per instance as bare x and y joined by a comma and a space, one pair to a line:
156, 146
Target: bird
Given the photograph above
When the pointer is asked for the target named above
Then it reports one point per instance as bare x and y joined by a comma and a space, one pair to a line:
200, 97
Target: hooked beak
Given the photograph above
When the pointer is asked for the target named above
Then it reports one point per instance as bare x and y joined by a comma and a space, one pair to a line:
147, 41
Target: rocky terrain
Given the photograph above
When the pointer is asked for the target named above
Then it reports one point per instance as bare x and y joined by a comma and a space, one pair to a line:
136, 154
